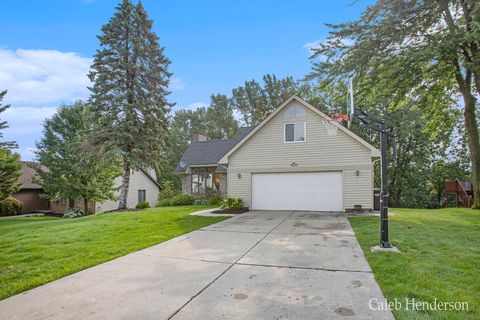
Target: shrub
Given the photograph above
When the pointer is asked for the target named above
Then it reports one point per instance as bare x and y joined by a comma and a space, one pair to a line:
164, 203
168, 192
143, 205
74, 213
182, 200
203, 201
10, 207
231, 203
215, 200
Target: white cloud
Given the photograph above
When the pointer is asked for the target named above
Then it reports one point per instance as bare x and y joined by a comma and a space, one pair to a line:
26, 120
312, 45
176, 84
43, 77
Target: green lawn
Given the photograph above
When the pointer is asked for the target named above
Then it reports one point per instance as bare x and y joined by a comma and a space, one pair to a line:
440, 258
36, 250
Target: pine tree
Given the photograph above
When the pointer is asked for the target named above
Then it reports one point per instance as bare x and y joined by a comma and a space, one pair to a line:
130, 76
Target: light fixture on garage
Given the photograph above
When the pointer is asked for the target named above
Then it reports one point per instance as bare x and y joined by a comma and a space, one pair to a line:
293, 164
357, 173
239, 175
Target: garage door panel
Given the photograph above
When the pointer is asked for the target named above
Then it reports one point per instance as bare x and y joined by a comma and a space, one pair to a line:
315, 191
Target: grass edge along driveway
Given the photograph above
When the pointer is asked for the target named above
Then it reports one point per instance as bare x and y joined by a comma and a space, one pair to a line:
439, 258
37, 250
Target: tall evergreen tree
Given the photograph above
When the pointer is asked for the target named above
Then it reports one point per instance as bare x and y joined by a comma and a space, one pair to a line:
74, 168
131, 77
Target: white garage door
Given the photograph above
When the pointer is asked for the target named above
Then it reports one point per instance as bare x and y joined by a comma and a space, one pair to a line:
312, 191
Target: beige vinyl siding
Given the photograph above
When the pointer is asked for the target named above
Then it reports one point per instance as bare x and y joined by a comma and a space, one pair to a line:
266, 151
138, 181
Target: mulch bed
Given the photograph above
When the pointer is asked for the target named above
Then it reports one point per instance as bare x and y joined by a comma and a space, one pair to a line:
234, 211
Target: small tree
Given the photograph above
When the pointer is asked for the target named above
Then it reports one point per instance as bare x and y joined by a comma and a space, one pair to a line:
10, 170
10, 167
3, 125
73, 168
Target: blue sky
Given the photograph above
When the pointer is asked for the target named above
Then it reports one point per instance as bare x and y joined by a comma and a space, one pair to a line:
46, 49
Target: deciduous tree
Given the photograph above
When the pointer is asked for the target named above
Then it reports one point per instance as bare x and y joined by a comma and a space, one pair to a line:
70, 166
421, 51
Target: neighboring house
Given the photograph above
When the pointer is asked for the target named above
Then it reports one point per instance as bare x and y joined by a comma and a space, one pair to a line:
199, 169
30, 191
289, 162
143, 186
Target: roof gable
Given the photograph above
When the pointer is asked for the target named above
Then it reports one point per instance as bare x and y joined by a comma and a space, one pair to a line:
374, 152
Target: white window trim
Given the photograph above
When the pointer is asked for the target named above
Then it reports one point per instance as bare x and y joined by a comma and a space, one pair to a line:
304, 132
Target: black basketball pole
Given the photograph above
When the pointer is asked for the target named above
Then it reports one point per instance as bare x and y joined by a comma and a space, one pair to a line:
373, 123
384, 243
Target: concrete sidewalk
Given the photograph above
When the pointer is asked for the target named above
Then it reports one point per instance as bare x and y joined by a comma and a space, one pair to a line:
259, 265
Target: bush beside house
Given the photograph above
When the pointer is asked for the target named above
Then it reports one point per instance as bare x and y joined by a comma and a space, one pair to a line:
10, 207
231, 203
74, 213
142, 205
171, 196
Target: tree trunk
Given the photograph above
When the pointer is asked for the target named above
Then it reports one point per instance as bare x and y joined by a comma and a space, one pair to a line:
471, 127
125, 184
85, 204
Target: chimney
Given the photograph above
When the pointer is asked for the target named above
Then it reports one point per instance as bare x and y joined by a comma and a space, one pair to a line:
199, 137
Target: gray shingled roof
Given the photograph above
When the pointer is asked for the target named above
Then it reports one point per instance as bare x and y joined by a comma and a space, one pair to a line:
209, 152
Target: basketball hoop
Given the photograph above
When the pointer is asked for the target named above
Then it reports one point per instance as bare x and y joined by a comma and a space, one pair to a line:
332, 123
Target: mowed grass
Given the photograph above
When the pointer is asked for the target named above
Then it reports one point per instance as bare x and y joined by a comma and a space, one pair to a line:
440, 258
36, 250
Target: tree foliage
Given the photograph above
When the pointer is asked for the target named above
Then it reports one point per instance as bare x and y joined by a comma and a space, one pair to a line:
70, 166
219, 120
10, 167
130, 84
10, 171
404, 52
255, 102
3, 125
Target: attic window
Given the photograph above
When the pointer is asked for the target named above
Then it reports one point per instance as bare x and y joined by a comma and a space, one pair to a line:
294, 132
294, 111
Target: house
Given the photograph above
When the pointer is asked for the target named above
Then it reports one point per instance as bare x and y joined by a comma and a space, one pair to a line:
30, 190
288, 162
199, 169
143, 186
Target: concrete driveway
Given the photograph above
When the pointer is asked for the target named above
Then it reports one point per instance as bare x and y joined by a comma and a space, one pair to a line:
260, 265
